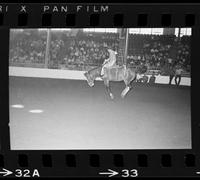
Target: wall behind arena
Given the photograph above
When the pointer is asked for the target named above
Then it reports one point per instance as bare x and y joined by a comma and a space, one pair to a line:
72, 74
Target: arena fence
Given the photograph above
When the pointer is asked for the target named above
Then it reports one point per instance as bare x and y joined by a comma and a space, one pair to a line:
75, 74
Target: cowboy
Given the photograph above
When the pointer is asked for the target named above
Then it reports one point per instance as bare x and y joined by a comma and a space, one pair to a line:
110, 62
171, 72
178, 73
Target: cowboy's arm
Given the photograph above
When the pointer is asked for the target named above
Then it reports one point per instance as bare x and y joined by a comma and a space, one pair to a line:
106, 61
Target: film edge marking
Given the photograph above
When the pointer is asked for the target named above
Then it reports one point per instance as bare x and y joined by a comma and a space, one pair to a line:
6, 172
110, 173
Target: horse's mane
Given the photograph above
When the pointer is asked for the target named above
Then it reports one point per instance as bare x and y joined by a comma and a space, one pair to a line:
93, 69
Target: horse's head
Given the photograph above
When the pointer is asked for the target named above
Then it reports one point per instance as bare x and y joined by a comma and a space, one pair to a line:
89, 79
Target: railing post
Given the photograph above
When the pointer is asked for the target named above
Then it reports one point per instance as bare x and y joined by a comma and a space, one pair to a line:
126, 46
48, 44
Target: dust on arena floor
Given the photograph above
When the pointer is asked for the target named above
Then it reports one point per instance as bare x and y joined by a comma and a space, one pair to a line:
150, 117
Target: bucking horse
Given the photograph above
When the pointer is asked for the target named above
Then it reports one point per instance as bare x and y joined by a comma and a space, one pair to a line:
116, 73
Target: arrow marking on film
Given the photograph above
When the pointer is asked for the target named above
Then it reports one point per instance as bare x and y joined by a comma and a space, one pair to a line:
6, 172
110, 173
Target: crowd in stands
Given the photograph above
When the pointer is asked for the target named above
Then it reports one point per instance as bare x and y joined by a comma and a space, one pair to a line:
86, 50
26, 48
159, 51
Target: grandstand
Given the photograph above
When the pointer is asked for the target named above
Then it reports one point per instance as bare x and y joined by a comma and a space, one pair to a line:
83, 49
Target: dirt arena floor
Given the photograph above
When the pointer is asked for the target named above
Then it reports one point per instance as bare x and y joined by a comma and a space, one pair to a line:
76, 116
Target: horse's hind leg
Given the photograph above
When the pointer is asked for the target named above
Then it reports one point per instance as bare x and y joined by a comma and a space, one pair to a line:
125, 91
128, 87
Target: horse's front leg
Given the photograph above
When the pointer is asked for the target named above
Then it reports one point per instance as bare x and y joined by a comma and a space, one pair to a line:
108, 89
110, 92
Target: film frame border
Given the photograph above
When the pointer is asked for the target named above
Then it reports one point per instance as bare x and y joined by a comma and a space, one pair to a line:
86, 163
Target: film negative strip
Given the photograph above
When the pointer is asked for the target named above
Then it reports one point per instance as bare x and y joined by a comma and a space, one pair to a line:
99, 90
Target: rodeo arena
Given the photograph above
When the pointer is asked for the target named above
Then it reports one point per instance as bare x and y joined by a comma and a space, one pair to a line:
100, 88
